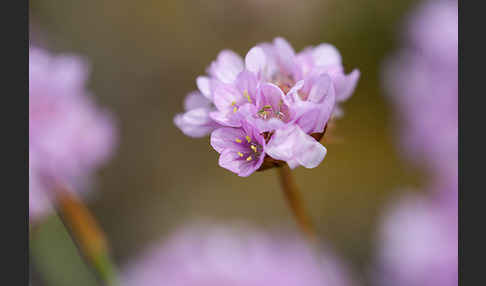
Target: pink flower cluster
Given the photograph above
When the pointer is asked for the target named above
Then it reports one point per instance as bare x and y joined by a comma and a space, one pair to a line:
422, 80
69, 136
418, 243
268, 104
418, 240
221, 256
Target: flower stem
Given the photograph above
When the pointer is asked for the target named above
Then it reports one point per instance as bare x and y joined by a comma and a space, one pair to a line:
87, 235
291, 192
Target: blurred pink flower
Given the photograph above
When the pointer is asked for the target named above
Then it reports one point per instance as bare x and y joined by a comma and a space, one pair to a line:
69, 136
418, 244
234, 257
281, 95
422, 80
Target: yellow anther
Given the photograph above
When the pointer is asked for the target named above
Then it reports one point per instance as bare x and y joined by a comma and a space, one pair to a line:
235, 109
245, 94
268, 106
254, 148
248, 159
240, 154
238, 140
233, 103
248, 138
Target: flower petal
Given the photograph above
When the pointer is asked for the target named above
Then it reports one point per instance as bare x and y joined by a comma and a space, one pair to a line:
255, 60
309, 114
292, 95
320, 88
226, 138
225, 96
269, 94
286, 58
285, 52
247, 112
291, 144
203, 84
247, 82
226, 67
346, 84
229, 159
326, 55
229, 119
195, 100
195, 122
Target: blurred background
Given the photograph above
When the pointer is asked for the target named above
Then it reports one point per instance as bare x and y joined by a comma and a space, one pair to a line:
145, 56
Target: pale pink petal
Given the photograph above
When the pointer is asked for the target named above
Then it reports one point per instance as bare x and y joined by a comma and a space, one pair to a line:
255, 60
326, 108
321, 88
226, 67
267, 125
326, 55
346, 84
195, 123
224, 138
286, 58
204, 86
194, 100
229, 159
284, 51
247, 82
226, 96
309, 118
269, 94
293, 145
293, 94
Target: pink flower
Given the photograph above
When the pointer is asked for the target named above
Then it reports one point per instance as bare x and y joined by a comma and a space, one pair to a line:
69, 136
280, 95
217, 256
422, 80
242, 149
418, 244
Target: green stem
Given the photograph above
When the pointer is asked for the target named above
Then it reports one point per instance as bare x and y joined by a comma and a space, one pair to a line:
86, 235
291, 193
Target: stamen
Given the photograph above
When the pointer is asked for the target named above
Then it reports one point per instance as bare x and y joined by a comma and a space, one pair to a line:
235, 109
240, 154
268, 106
233, 103
248, 159
248, 138
238, 140
245, 94
254, 148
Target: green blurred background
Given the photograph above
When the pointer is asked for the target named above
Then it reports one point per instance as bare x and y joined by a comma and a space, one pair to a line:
145, 56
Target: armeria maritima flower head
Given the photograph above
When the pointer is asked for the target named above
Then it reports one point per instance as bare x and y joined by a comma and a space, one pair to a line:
268, 108
217, 256
69, 136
